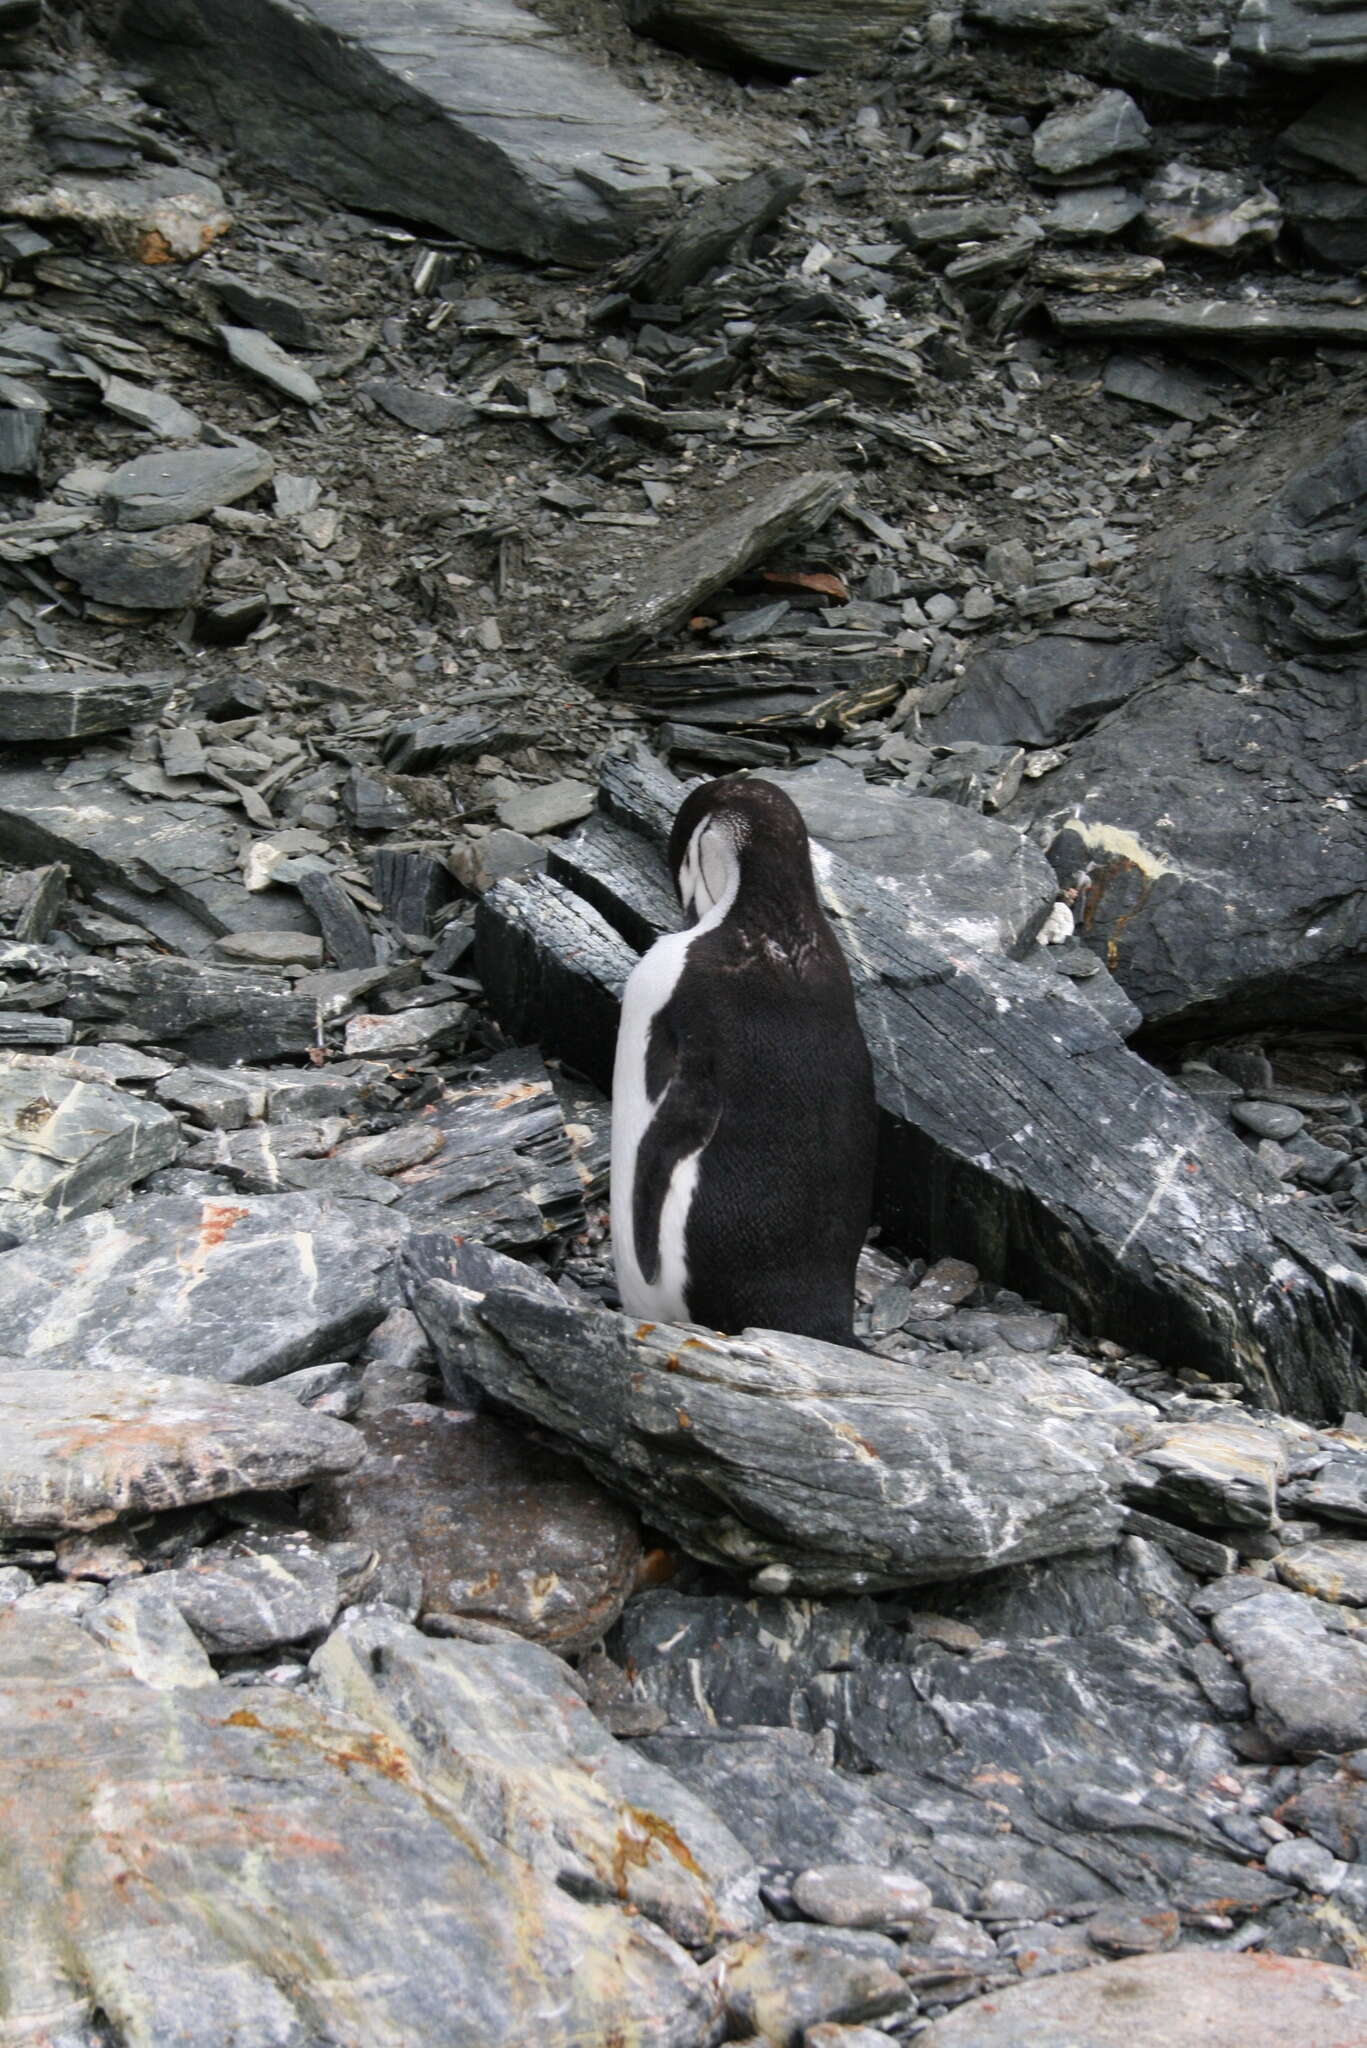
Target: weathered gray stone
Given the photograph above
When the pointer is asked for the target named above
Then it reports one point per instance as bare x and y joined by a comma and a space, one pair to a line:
160, 572
1183, 2000
706, 232
1092, 140
212, 1013
1224, 1471
500, 1731
1309, 1687
227, 1099
776, 35
165, 1282
1206, 322
662, 594
1335, 1568
783, 1980
289, 1829
1044, 690
426, 1028
79, 1448
487, 1524
150, 1637
240, 1605
1190, 206
68, 1146
477, 117
548, 808
859, 1895
274, 365
67, 705
173, 486
854, 1474
1301, 35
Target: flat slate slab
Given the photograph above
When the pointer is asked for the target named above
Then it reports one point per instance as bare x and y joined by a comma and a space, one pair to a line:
1185, 2000
474, 115
214, 1013
78, 1449
856, 1473
172, 486
237, 1291
68, 1146
56, 704
163, 1851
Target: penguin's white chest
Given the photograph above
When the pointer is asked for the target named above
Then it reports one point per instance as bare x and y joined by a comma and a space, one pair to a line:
652, 983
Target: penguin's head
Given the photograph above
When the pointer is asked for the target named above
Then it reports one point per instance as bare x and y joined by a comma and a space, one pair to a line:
727, 833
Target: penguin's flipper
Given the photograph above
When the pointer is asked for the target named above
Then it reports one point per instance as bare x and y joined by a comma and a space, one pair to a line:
685, 1117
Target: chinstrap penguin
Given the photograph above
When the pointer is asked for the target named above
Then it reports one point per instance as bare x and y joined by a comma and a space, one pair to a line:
743, 1117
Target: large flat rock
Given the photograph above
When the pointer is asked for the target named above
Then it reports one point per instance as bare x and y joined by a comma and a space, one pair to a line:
211, 1865
775, 35
238, 1291
68, 704
1018, 1130
1209, 913
78, 1449
213, 1013
475, 115
765, 1449
68, 1146
1187, 2000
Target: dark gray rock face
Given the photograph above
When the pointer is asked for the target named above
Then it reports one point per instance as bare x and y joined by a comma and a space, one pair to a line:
486, 1525
1088, 144
1046, 690
500, 1731
478, 119
1196, 907
43, 705
404, 1916
1301, 35
782, 1981
172, 486
78, 1449
773, 35
212, 1013
990, 888
853, 1474
165, 1283
1018, 1131
160, 573
1309, 1686
68, 1146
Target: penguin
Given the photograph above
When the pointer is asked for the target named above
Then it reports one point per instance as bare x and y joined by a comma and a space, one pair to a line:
743, 1115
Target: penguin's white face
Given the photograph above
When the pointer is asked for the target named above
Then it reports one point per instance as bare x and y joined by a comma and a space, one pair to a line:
709, 873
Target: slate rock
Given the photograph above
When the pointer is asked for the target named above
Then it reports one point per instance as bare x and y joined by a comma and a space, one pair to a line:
954, 875
1046, 690
1335, 1568
1007, 1042
1300, 35
68, 1145
548, 808
707, 231
1225, 1471
1206, 322
783, 1980
406, 1919
163, 1281
1168, 387
413, 405
1309, 1687
499, 1730
427, 1028
1090, 142
678, 579
488, 125
1330, 133
173, 486
490, 1525
773, 35
1183, 2000
346, 935
79, 1449
1153, 60
1330, 219
162, 572
1091, 211
1195, 906
272, 364
850, 1478
245, 1605
150, 1637
212, 1013
859, 1895
1039, 17
1188, 206
67, 705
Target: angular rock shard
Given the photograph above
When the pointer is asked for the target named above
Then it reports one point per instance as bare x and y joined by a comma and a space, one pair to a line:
144, 1908
53, 705
79, 1449
774, 35
853, 1472
475, 115
240, 1291
68, 1146
1018, 1131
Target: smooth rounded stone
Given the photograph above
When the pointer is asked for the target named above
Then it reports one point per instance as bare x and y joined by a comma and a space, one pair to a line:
789, 1977
163, 1903
1046, 1950
1335, 1568
156, 572
492, 1526
272, 949
69, 704
1006, 1898
79, 1449
498, 1731
240, 1290
175, 486
1189, 1999
1268, 1119
859, 1895
1305, 1863
1128, 1931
